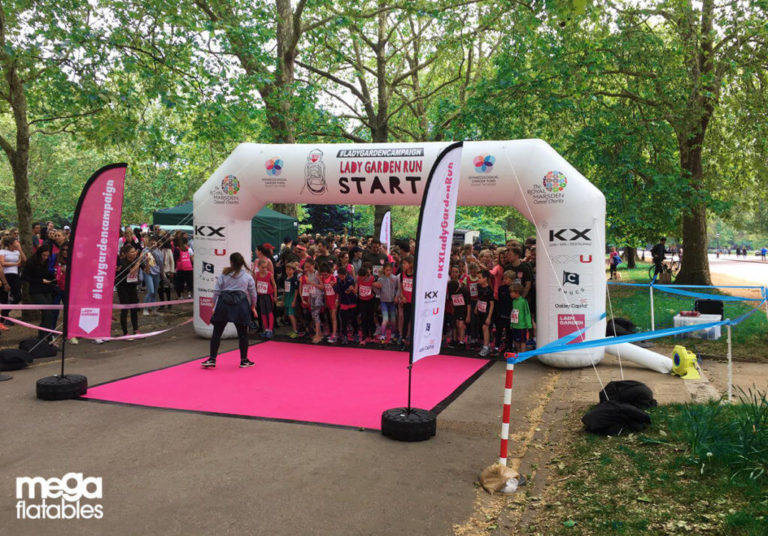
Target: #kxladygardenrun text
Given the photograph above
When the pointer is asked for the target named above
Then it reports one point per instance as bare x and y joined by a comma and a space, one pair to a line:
59, 498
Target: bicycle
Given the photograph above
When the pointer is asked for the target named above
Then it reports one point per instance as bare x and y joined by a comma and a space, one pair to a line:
671, 266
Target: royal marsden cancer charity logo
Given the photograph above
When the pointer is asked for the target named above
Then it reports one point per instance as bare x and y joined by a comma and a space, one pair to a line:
226, 192
274, 166
551, 191
230, 185
554, 181
484, 163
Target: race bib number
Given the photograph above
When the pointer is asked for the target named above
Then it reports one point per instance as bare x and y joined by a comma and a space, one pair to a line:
132, 278
329, 290
306, 290
514, 318
473, 290
408, 285
288, 286
365, 291
482, 306
377, 271
458, 300
262, 287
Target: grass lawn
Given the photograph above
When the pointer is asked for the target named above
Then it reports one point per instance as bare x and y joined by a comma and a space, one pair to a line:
698, 469
750, 338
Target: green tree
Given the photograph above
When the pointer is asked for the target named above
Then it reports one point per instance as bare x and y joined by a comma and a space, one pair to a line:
51, 74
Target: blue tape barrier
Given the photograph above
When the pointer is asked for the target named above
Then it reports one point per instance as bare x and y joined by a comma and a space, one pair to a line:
674, 289
682, 286
557, 345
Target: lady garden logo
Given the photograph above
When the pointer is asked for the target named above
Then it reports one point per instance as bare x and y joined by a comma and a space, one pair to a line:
58, 498
484, 163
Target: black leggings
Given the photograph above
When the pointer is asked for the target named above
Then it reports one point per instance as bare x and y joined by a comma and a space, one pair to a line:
367, 311
242, 339
407, 325
13, 295
348, 318
128, 294
48, 320
183, 278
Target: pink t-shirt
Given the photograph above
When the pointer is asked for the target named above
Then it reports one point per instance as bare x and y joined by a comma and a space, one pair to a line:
498, 273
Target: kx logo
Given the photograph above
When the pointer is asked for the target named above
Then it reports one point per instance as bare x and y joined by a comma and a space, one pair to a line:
569, 235
430, 295
209, 231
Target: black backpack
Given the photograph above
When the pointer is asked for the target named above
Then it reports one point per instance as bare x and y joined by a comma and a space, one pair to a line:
614, 418
631, 392
38, 348
12, 359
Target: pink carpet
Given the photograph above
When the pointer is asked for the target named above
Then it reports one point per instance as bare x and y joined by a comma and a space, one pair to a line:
297, 382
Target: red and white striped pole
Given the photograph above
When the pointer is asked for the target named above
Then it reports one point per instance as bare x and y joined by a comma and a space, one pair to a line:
507, 407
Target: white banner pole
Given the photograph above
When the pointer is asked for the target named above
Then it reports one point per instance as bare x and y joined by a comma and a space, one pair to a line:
386, 226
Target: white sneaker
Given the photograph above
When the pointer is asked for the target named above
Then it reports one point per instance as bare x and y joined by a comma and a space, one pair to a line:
99, 341
73, 340
145, 312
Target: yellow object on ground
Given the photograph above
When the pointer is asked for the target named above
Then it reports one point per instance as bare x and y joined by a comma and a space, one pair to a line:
684, 364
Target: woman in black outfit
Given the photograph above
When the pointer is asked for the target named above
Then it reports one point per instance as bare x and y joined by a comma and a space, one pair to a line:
42, 287
234, 290
127, 284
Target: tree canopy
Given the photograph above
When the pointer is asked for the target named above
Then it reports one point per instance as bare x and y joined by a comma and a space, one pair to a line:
661, 104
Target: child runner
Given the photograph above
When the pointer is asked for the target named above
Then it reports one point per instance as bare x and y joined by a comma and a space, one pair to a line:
458, 296
472, 281
406, 299
347, 292
289, 298
520, 318
503, 311
312, 298
484, 309
331, 299
389, 285
266, 290
366, 304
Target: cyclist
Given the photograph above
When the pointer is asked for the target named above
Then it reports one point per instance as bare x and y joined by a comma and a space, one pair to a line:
657, 254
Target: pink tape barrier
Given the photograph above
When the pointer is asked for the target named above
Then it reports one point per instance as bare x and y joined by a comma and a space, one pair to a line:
121, 338
31, 326
59, 307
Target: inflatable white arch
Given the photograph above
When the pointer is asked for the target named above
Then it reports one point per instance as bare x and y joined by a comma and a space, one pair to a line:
529, 175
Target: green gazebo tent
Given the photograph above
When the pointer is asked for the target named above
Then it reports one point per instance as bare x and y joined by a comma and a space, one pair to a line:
266, 226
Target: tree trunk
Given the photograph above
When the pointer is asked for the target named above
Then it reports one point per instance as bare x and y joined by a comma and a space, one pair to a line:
630, 256
695, 263
289, 209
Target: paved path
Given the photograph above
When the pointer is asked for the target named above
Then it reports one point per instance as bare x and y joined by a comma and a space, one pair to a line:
750, 270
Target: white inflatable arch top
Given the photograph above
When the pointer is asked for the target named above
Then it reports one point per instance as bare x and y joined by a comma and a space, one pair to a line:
568, 211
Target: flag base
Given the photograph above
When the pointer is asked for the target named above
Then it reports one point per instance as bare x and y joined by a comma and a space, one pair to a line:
402, 424
63, 387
